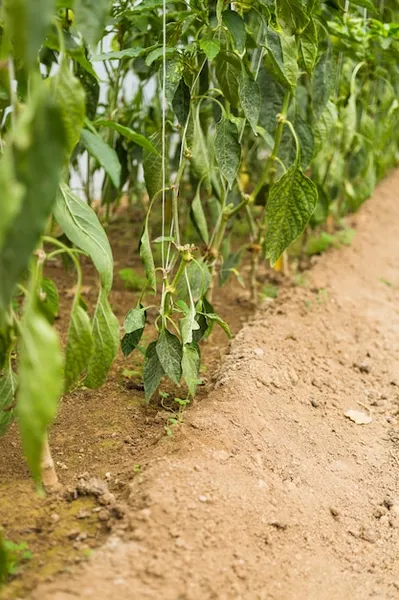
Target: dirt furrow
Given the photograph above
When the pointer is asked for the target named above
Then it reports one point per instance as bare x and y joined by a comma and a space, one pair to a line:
268, 492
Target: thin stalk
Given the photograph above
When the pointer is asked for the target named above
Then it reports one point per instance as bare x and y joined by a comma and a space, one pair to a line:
49, 474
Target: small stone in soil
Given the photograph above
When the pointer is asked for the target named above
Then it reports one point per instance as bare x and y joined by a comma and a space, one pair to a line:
202, 498
314, 403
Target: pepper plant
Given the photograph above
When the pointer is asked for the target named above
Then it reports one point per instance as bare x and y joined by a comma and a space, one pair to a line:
272, 116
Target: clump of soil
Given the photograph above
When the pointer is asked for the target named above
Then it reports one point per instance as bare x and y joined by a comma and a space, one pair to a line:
268, 491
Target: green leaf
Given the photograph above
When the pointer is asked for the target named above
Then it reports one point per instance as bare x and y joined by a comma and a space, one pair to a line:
191, 363
291, 15
308, 46
8, 388
27, 22
281, 58
322, 83
250, 99
228, 73
211, 48
227, 149
70, 96
158, 53
152, 165
80, 224
49, 299
199, 279
105, 332
79, 347
104, 154
153, 371
174, 73
324, 125
188, 324
134, 327
272, 97
198, 216
37, 151
169, 351
181, 103
349, 123
91, 17
292, 200
40, 384
4, 567
369, 4
118, 55
129, 134
214, 318
147, 257
5, 343
236, 27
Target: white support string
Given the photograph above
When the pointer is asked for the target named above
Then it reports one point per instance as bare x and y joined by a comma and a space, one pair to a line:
164, 108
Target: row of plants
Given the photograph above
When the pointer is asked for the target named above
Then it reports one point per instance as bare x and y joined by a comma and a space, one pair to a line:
279, 116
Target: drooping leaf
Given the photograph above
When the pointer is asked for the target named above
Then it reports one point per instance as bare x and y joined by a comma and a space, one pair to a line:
169, 351
80, 224
228, 72
322, 83
236, 27
291, 202
104, 154
105, 331
91, 18
152, 165
198, 216
308, 46
210, 47
153, 371
181, 102
250, 99
349, 123
324, 125
79, 347
27, 22
281, 58
37, 150
191, 363
227, 149
49, 300
147, 257
70, 97
272, 97
214, 318
291, 15
118, 54
8, 388
40, 383
129, 134
174, 74
134, 327
199, 280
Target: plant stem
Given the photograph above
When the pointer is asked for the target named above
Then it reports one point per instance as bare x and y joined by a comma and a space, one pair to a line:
49, 474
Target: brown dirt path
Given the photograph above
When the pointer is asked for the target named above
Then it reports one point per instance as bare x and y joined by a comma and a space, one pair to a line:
267, 492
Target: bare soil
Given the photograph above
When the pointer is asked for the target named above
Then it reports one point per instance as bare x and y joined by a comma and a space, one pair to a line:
267, 491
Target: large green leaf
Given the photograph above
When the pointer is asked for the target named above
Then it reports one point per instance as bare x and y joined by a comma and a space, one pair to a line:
291, 15
26, 22
129, 134
308, 46
70, 96
153, 371
191, 363
40, 383
169, 351
181, 102
290, 205
8, 387
272, 97
322, 83
80, 224
227, 149
79, 347
174, 73
324, 125
104, 154
106, 342
91, 17
37, 151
